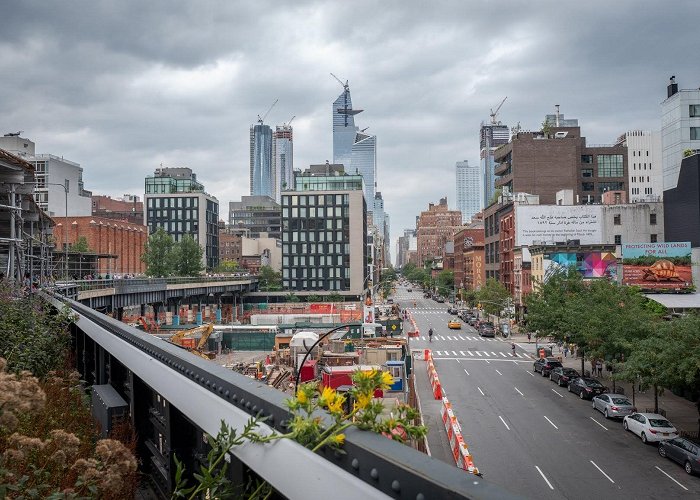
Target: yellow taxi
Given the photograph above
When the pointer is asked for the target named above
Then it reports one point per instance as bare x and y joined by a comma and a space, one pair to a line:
453, 324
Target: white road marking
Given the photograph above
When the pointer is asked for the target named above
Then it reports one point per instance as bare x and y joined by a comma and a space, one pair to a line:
598, 423
529, 373
502, 354
544, 477
504, 422
523, 395
438, 353
499, 372
478, 353
679, 484
465, 371
493, 354
454, 353
470, 353
458, 361
487, 362
482, 392
557, 428
461, 338
462, 353
555, 392
601, 471
423, 337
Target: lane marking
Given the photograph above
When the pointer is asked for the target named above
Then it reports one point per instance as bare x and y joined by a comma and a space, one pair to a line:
458, 361
598, 423
482, 392
462, 353
465, 371
679, 484
461, 338
470, 353
493, 354
523, 395
601, 471
502, 354
498, 372
555, 392
529, 373
478, 353
487, 362
545, 478
504, 422
438, 353
557, 428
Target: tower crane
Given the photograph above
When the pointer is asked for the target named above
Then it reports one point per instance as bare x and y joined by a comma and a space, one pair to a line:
345, 85
289, 123
494, 113
261, 120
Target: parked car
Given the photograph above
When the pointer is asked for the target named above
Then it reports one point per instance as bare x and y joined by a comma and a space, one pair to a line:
562, 375
409, 290
650, 427
586, 387
439, 299
613, 405
487, 330
683, 451
473, 321
454, 324
452, 310
545, 365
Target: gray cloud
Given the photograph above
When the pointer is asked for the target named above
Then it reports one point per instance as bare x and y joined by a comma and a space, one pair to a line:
122, 87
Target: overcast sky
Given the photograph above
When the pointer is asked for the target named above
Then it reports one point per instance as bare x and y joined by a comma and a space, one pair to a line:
124, 86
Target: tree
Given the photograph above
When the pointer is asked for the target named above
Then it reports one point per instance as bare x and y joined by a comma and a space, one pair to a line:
81, 245
227, 266
187, 257
492, 296
445, 282
292, 297
313, 298
494, 197
157, 254
470, 297
335, 297
269, 279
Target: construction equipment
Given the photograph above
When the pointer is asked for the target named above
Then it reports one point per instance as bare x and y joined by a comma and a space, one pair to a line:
345, 85
289, 123
205, 330
261, 120
494, 113
148, 324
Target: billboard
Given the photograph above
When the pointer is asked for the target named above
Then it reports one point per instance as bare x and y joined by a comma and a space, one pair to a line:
591, 265
557, 223
657, 267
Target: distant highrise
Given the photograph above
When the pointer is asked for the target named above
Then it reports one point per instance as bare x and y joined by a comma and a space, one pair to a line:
644, 172
261, 161
490, 137
469, 190
283, 157
364, 161
680, 129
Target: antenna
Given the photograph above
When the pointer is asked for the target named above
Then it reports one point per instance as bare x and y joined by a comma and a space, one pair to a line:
495, 113
261, 120
345, 85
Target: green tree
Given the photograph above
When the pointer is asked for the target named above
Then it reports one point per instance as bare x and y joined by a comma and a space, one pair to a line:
492, 296
227, 266
81, 245
269, 279
494, 197
187, 257
292, 297
445, 282
470, 297
335, 297
157, 254
313, 298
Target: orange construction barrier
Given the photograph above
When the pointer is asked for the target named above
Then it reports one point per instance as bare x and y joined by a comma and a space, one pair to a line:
460, 451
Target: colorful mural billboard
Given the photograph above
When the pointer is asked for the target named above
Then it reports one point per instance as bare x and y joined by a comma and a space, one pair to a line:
658, 267
591, 265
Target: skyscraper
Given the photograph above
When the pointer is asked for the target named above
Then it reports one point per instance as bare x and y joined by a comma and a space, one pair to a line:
364, 161
261, 161
469, 190
680, 129
490, 137
283, 157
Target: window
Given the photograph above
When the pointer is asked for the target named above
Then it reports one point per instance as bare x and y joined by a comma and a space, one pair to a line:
694, 110
617, 220
618, 239
652, 219
586, 158
586, 172
587, 186
652, 238
694, 134
610, 166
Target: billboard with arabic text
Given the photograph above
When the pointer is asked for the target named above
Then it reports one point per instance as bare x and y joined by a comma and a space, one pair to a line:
557, 223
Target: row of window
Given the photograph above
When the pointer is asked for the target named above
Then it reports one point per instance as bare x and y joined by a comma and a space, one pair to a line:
173, 202
634, 166
314, 224
641, 179
330, 236
314, 248
340, 285
314, 200
315, 260
174, 213
602, 186
647, 190
327, 272
313, 212
617, 219
639, 153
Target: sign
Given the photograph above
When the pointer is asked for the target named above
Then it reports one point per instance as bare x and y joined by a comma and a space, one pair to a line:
657, 267
557, 223
589, 264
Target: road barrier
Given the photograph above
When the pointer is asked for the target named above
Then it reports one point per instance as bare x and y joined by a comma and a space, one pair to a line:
415, 332
432, 375
460, 451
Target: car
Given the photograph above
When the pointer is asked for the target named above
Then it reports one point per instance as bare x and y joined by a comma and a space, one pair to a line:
586, 387
487, 330
473, 321
410, 290
453, 324
426, 295
545, 365
650, 427
441, 300
452, 310
683, 451
561, 375
613, 405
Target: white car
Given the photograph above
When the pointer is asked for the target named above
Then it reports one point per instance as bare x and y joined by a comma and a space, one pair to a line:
650, 427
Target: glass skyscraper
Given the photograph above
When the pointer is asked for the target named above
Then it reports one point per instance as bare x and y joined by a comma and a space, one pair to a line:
469, 190
364, 161
261, 162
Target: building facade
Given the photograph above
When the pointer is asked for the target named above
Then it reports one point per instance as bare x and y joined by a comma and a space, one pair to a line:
644, 175
254, 215
491, 137
324, 232
680, 129
435, 227
129, 208
469, 257
682, 204
262, 181
364, 162
283, 155
469, 190
177, 202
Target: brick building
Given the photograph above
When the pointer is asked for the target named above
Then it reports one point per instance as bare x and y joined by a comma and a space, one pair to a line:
434, 228
129, 208
469, 256
230, 247
123, 241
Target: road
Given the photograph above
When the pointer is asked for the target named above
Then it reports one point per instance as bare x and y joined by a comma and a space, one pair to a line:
529, 435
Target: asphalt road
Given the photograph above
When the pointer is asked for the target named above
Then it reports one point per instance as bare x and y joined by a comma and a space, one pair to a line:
529, 435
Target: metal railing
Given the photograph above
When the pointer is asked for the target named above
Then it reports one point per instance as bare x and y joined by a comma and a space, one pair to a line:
370, 466
99, 284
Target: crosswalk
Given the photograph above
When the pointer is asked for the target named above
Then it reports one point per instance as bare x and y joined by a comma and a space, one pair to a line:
460, 337
479, 354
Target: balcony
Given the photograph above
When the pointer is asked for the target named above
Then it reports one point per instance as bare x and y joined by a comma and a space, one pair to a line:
502, 168
504, 180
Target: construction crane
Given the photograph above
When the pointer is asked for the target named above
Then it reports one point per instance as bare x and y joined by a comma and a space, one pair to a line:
494, 113
345, 85
261, 120
289, 123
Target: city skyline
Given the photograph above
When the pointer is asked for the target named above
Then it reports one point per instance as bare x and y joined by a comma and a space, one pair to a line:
186, 94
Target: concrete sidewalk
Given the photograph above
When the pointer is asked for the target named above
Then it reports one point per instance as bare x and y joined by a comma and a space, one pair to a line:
684, 414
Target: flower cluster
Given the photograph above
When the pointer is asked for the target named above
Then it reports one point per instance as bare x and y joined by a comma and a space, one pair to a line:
19, 395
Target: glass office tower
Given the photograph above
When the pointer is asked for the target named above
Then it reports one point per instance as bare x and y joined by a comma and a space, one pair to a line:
261, 162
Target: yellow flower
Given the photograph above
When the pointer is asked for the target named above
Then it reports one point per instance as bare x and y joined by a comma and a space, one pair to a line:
338, 439
336, 405
327, 396
387, 379
362, 401
302, 397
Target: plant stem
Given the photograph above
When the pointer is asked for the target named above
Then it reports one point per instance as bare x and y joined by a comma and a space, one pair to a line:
323, 441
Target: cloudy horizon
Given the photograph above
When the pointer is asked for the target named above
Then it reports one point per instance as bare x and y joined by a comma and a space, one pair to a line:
123, 87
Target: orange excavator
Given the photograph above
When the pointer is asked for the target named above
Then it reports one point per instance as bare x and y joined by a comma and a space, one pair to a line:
205, 330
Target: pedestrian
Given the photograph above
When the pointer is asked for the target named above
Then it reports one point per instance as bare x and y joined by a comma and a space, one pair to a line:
529, 337
599, 367
566, 350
